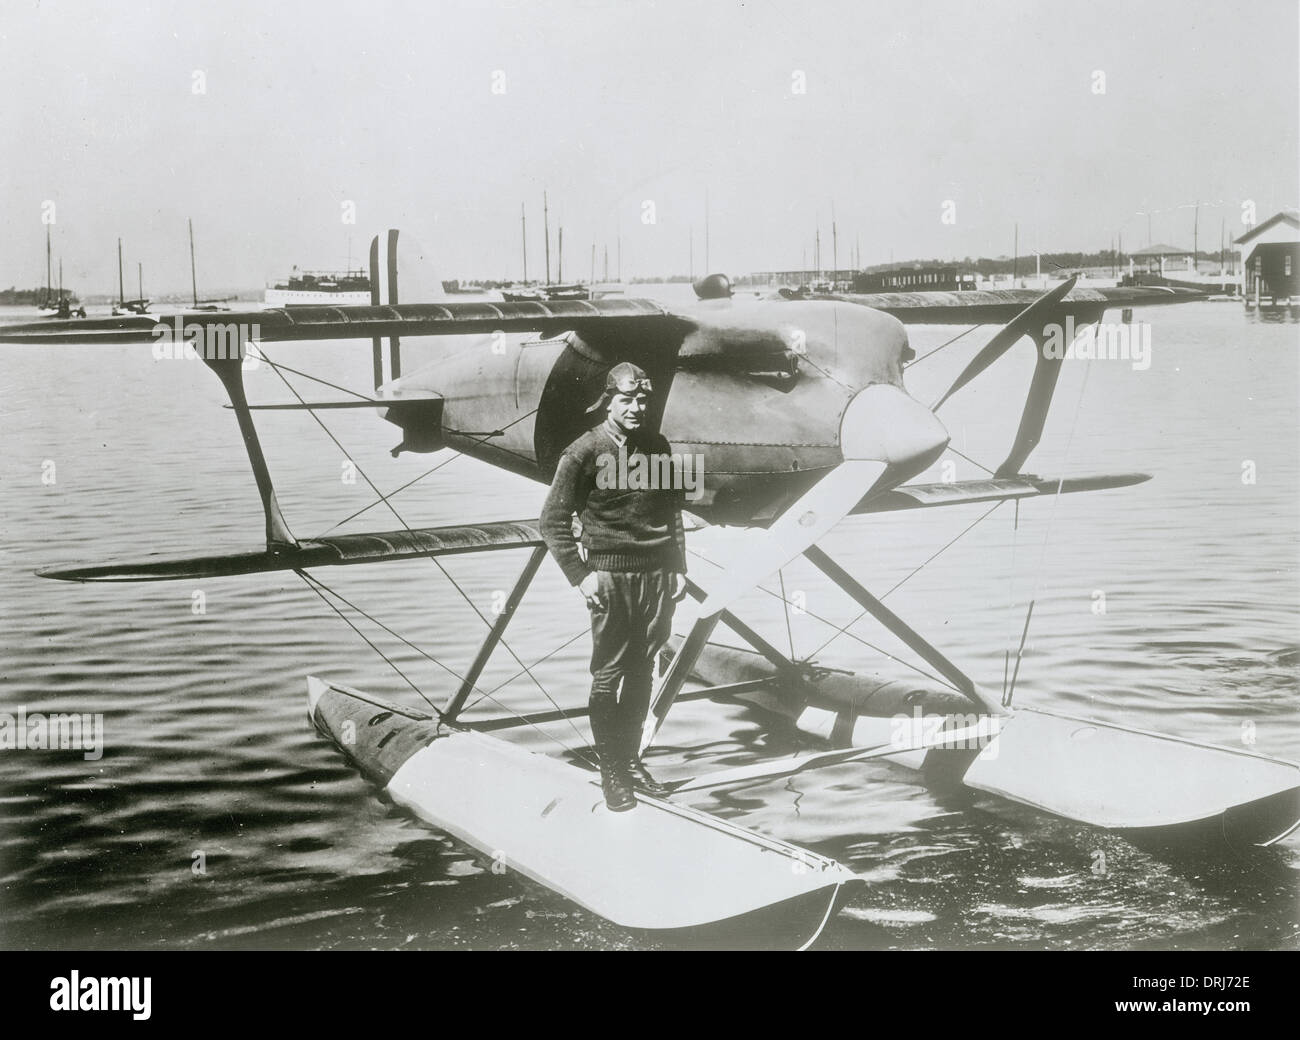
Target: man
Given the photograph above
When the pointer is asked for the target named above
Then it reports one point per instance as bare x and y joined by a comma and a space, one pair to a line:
631, 567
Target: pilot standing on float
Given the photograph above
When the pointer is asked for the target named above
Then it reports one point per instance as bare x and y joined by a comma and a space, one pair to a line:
630, 568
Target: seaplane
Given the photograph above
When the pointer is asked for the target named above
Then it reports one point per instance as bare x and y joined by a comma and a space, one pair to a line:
801, 410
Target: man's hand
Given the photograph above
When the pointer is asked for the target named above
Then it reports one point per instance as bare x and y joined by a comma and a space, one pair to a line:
679, 587
590, 589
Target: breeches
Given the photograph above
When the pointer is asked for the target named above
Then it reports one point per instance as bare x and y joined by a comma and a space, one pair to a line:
625, 637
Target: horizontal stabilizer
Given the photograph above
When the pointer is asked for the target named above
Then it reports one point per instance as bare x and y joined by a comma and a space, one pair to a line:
330, 551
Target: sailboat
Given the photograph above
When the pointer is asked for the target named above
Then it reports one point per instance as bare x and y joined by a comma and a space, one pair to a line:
63, 307
557, 290
48, 303
123, 305
202, 305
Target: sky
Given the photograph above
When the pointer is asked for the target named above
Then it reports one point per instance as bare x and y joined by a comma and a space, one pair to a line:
931, 128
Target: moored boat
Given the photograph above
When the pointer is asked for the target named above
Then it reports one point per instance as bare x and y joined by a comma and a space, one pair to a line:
336, 288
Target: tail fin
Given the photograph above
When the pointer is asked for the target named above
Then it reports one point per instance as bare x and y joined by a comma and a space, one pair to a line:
418, 284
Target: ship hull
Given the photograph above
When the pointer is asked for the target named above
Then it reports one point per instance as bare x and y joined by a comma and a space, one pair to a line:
297, 297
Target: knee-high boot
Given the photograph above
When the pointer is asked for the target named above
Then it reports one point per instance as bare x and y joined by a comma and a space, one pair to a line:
632, 711
610, 747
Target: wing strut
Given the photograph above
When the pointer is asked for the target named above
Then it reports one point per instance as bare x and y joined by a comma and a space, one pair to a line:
231, 373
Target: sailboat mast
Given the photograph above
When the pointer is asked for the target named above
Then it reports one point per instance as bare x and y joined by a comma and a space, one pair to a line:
523, 232
139, 267
546, 233
835, 245
49, 286
121, 290
194, 280
1196, 238
707, 268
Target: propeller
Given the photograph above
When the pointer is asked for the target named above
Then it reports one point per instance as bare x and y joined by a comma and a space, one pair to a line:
886, 437
1010, 333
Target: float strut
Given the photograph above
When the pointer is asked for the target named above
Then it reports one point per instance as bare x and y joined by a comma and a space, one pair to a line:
909, 636
457, 703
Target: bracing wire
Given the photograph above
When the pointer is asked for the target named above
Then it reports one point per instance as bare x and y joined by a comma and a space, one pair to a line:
842, 631
970, 460
316, 379
391, 663
383, 499
785, 603
313, 583
931, 353
393, 509
545, 657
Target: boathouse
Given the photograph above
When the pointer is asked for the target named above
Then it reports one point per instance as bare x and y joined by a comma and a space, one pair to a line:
1270, 260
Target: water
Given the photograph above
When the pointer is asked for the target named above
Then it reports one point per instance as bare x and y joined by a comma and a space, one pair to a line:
210, 763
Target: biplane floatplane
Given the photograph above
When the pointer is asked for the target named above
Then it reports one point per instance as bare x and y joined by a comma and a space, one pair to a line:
800, 410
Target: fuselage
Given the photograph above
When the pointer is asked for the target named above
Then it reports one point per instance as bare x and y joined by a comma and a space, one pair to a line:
754, 392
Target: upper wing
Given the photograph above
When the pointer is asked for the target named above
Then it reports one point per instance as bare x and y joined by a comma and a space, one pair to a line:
592, 319
330, 323
990, 306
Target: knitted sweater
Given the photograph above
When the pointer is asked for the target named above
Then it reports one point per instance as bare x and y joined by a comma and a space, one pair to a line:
626, 526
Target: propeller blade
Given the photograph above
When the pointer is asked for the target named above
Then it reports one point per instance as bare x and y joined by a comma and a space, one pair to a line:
1034, 417
823, 506
1009, 335
886, 437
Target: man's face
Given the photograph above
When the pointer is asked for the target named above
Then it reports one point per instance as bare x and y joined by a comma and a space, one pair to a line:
627, 410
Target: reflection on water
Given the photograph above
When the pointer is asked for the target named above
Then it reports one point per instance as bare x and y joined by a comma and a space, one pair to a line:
217, 818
